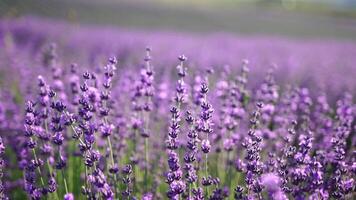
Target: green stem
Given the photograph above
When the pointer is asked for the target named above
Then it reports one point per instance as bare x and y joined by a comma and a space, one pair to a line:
147, 121
50, 172
65, 181
146, 167
111, 152
63, 174
38, 168
134, 166
48, 164
206, 174
113, 163
87, 186
190, 190
227, 169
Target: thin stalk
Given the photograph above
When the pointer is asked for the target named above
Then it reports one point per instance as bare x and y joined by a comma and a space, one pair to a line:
38, 168
206, 155
128, 186
50, 169
63, 174
87, 186
227, 166
113, 163
147, 118
134, 164
206, 173
190, 190
73, 129
65, 181
111, 153
146, 167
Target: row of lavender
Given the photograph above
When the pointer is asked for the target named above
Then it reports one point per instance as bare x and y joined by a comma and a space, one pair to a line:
318, 64
156, 132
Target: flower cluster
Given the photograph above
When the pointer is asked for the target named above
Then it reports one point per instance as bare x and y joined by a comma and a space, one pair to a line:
94, 130
2, 165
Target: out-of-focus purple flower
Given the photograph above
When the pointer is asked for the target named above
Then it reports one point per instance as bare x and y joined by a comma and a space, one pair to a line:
228, 144
147, 196
68, 196
319, 194
271, 182
106, 129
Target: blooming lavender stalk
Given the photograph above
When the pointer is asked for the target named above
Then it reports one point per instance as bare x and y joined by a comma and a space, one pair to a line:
44, 137
100, 184
268, 95
89, 103
192, 141
241, 83
57, 127
74, 81
174, 176
205, 126
127, 171
142, 105
253, 147
226, 125
35, 163
147, 80
341, 184
190, 155
106, 128
288, 153
299, 144
237, 98
49, 56
2, 164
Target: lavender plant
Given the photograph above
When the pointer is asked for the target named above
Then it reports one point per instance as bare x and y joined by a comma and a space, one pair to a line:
123, 129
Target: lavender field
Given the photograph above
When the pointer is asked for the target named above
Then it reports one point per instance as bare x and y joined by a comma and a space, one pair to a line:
100, 112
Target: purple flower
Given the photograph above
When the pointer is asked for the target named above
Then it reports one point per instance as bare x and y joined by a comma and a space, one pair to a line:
147, 196
2, 147
271, 182
68, 196
228, 144
106, 129
58, 139
205, 146
177, 187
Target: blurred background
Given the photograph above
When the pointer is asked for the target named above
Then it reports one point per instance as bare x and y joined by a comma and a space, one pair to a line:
313, 42
290, 18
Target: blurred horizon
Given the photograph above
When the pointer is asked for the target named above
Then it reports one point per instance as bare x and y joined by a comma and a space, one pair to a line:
334, 19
